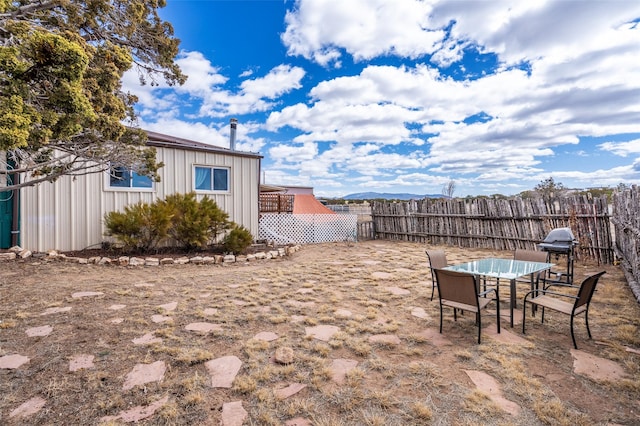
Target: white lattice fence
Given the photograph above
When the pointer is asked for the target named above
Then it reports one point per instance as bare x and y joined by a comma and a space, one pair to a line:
308, 228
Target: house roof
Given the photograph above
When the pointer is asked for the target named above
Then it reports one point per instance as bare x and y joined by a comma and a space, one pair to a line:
308, 204
167, 141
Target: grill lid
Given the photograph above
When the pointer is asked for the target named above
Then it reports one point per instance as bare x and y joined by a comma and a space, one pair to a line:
560, 235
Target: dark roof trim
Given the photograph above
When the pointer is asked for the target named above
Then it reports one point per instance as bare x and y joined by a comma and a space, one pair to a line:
165, 141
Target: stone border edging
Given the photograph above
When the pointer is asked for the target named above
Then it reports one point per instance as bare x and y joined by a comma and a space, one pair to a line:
17, 253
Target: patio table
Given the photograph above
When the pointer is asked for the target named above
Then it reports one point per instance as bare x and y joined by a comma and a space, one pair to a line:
502, 268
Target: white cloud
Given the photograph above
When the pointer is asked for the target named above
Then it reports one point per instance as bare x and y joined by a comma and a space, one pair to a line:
622, 149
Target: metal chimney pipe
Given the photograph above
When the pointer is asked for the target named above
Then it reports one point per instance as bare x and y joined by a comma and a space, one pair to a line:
232, 134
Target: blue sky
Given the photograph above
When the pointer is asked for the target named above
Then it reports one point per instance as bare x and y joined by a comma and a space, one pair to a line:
405, 95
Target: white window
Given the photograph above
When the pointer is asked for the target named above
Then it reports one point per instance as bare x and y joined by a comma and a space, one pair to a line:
211, 179
123, 178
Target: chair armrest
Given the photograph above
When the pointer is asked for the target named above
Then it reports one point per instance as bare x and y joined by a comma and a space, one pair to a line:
487, 291
555, 294
559, 284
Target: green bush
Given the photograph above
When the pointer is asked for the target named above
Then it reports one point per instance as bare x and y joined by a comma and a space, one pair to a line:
237, 240
195, 223
140, 227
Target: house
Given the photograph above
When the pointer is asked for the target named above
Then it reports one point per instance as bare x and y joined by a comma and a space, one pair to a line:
68, 214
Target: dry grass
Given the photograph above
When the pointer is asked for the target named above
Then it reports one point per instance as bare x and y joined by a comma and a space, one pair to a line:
412, 383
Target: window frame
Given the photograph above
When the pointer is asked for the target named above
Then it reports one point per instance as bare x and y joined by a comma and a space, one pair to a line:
131, 176
212, 177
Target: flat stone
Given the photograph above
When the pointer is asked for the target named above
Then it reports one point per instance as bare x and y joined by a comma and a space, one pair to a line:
505, 336
166, 261
25, 254
233, 414
116, 320
117, 307
203, 327
304, 291
434, 337
145, 373
210, 311
286, 392
596, 368
105, 261
223, 370
370, 262
397, 291
45, 330
28, 408
123, 260
147, 339
322, 332
50, 311
343, 313
146, 285
238, 302
169, 306
298, 318
491, 387
140, 412
160, 318
208, 260
81, 362
267, 336
419, 313
82, 294
181, 261
340, 367
12, 362
385, 339
229, 259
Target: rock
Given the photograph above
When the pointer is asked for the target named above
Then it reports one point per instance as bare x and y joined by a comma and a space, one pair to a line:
53, 254
152, 261
282, 252
83, 260
15, 249
196, 260
284, 355
229, 259
70, 259
7, 256
181, 261
274, 253
123, 260
233, 414
105, 261
261, 255
94, 260
25, 254
251, 257
168, 261
219, 258
241, 259
136, 261
208, 260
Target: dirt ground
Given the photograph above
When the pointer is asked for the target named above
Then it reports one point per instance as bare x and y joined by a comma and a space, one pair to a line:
375, 294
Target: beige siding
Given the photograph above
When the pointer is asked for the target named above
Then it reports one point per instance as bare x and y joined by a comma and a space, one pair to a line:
68, 214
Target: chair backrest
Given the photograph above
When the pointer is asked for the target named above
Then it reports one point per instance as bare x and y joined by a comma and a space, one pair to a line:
457, 287
587, 288
530, 255
437, 259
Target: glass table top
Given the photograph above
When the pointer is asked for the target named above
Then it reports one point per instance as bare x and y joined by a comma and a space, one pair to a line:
500, 268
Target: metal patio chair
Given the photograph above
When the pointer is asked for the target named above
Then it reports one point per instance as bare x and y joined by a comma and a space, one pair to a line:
553, 300
437, 260
460, 291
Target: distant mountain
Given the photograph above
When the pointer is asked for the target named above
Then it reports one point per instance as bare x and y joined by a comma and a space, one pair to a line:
388, 196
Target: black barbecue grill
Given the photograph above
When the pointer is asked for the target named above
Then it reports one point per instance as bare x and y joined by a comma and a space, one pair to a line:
560, 242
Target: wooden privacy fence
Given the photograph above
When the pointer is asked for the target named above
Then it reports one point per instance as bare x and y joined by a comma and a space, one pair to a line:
500, 224
626, 220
